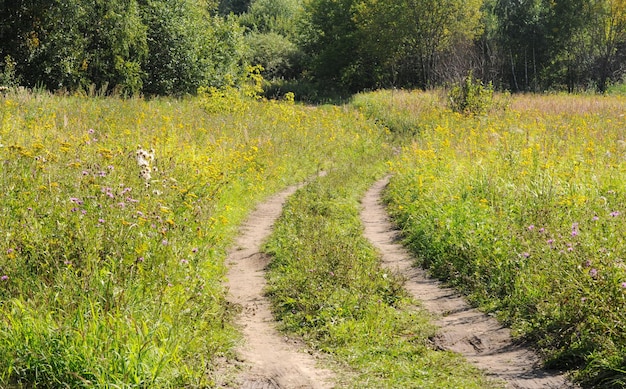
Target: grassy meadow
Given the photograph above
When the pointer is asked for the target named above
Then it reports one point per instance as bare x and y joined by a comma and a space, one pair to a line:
524, 210
115, 217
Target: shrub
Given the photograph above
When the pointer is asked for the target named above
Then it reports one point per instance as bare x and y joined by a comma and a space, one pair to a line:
471, 97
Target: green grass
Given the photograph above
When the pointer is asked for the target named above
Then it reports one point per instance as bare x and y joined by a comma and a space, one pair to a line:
523, 210
112, 277
326, 284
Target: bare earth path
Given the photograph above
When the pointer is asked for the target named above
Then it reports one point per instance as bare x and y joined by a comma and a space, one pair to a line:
480, 338
272, 360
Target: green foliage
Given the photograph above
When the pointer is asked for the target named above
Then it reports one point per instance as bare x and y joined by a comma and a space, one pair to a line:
124, 47
271, 36
188, 48
279, 57
471, 97
277, 16
411, 38
328, 37
233, 98
8, 77
73, 44
236, 7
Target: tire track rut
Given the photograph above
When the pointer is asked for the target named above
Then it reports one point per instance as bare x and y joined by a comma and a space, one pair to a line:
272, 361
462, 329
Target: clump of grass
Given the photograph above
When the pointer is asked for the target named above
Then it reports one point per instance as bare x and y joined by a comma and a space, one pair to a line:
522, 211
326, 284
397, 109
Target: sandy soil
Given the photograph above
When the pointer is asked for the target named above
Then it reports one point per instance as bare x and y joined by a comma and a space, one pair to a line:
478, 337
271, 360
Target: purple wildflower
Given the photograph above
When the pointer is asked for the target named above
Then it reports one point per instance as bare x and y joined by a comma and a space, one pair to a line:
614, 214
624, 285
91, 131
4, 278
593, 272
100, 220
531, 227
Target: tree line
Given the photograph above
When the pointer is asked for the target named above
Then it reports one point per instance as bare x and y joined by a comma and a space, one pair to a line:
160, 47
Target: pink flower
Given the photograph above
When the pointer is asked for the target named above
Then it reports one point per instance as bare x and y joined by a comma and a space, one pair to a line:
4, 278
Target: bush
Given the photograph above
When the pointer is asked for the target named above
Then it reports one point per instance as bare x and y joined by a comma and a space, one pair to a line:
471, 97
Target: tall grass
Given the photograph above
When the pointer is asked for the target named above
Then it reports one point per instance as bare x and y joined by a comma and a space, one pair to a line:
114, 221
524, 210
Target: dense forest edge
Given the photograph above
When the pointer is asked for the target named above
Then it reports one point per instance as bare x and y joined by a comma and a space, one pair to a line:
313, 48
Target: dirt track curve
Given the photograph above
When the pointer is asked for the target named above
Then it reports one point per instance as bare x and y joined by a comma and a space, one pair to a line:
271, 360
478, 337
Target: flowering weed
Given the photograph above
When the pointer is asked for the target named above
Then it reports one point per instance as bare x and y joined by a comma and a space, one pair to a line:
522, 210
111, 254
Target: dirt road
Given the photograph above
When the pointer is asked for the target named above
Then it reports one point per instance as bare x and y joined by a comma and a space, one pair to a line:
478, 337
272, 360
